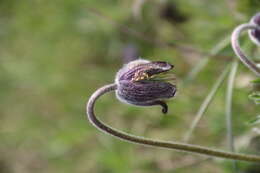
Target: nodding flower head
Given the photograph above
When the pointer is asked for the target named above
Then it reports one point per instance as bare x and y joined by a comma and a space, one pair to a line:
254, 34
145, 83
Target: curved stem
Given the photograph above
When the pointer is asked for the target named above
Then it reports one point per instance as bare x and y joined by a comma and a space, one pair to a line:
237, 49
156, 143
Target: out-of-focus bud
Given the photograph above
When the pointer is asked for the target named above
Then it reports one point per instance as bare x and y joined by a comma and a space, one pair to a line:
254, 34
145, 83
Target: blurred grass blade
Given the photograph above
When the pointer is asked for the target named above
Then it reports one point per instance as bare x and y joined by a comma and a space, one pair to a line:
206, 103
229, 95
204, 61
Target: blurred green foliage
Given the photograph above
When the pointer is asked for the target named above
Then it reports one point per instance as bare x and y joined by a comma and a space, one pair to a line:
55, 54
249, 7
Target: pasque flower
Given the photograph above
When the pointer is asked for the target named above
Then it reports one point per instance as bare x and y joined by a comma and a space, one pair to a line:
145, 83
253, 28
255, 33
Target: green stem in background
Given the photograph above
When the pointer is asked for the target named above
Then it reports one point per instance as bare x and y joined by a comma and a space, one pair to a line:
205, 104
156, 143
237, 49
205, 60
229, 94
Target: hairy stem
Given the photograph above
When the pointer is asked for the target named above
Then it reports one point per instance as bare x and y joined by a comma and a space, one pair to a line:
156, 143
237, 49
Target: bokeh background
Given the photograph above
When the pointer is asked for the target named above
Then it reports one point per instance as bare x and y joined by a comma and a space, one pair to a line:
55, 54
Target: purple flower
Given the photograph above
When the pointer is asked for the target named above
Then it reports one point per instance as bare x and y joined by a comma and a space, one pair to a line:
145, 83
254, 34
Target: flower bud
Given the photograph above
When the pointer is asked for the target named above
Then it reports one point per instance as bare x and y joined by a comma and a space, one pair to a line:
145, 83
254, 34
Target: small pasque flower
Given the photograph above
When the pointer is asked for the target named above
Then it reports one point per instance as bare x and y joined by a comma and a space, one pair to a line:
145, 83
255, 33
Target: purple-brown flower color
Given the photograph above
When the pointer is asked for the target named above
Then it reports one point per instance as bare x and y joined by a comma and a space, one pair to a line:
255, 33
145, 83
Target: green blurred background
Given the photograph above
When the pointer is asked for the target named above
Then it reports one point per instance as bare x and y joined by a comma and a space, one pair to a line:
55, 54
